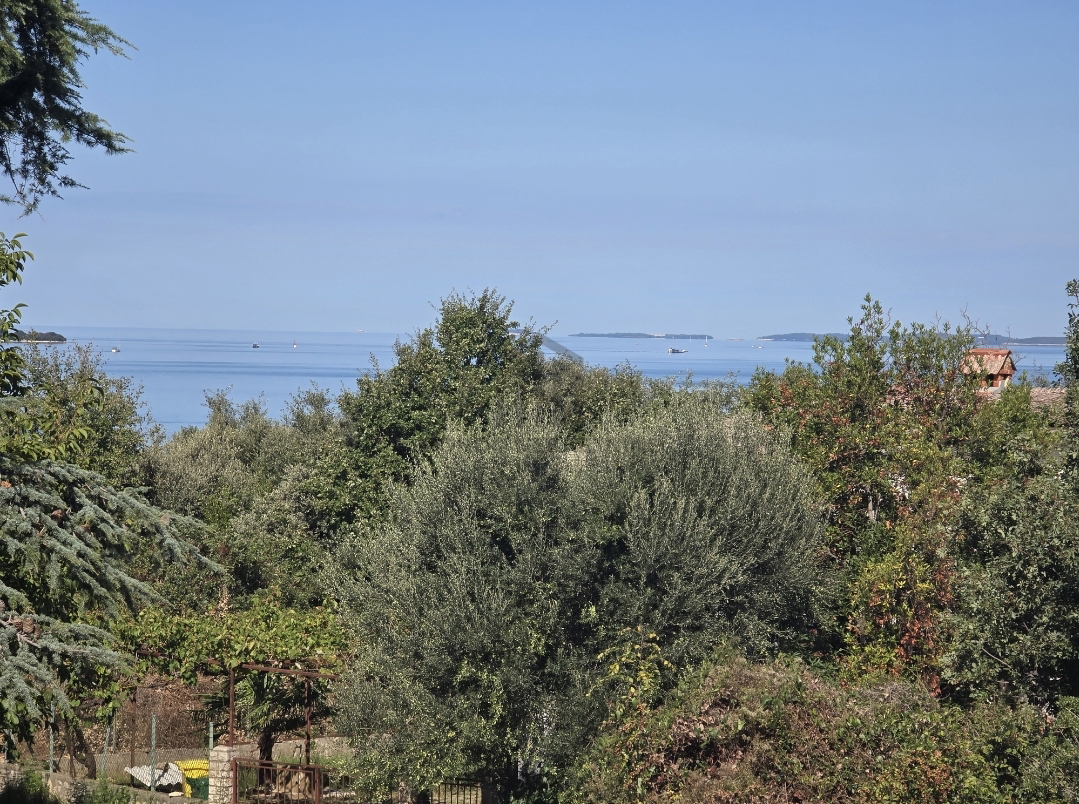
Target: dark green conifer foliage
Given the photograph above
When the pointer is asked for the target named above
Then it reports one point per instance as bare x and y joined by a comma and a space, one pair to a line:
42, 43
69, 544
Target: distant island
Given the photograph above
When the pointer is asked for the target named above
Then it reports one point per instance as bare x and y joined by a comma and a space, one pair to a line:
1037, 340
673, 337
34, 336
984, 340
803, 336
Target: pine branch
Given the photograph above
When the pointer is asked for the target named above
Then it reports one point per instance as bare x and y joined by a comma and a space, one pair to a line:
68, 545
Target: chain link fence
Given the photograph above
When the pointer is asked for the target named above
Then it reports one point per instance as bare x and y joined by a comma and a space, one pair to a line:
163, 726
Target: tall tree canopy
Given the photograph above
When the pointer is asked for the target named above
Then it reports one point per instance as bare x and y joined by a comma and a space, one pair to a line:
42, 43
70, 546
75, 551
513, 562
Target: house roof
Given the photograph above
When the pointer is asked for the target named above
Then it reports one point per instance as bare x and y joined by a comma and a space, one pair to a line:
1044, 397
989, 361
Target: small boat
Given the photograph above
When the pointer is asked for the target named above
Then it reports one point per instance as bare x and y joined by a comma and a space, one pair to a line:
294, 344
673, 351
255, 345
116, 348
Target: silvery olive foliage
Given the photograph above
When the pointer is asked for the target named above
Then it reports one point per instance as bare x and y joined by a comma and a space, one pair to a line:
514, 561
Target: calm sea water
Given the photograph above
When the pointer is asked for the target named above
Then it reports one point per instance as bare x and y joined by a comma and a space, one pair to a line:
178, 367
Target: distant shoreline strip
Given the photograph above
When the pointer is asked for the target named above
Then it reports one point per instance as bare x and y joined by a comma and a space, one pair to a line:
670, 337
981, 340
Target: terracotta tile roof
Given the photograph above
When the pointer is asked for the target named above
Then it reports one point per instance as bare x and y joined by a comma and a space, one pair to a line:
1039, 397
1044, 397
989, 361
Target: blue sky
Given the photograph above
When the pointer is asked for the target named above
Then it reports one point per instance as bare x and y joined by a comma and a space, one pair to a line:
731, 168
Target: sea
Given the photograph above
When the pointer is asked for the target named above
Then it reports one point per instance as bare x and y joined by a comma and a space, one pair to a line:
177, 368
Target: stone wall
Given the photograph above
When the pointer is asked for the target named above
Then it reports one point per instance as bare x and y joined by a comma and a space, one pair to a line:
221, 769
283, 751
9, 770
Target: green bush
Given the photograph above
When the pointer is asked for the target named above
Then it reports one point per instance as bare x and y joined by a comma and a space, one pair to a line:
513, 561
26, 789
744, 732
101, 793
1015, 620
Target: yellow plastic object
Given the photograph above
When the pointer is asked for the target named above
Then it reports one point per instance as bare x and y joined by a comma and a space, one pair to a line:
193, 769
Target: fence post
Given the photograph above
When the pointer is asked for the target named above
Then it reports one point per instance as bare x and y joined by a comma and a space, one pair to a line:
232, 705
52, 725
153, 752
211, 735
134, 723
307, 721
105, 759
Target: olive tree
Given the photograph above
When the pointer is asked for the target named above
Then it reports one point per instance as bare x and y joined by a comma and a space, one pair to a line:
513, 562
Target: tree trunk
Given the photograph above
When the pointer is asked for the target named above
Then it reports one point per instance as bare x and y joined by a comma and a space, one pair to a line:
266, 743
78, 749
85, 751
267, 776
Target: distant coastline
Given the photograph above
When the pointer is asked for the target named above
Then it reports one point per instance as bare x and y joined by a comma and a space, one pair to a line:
1037, 340
34, 336
671, 337
983, 340
802, 336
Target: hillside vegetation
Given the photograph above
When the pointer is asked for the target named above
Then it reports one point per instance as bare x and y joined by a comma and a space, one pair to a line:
854, 580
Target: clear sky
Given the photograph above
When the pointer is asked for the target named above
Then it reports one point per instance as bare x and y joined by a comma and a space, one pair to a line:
730, 168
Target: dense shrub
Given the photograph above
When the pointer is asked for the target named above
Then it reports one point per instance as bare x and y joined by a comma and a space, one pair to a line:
890, 422
512, 562
27, 788
775, 732
1015, 622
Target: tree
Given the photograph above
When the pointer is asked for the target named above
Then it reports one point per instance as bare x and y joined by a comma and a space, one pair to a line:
68, 389
68, 545
451, 371
512, 563
247, 476
1015, 622
1068, 370
886, 419
12, 263
213, 643
52, 421
72, 546
42, 43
